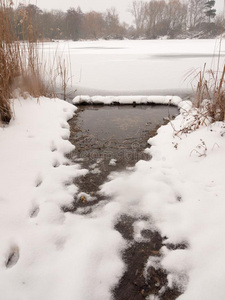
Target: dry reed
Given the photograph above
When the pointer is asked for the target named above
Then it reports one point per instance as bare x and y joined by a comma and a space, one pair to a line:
211, 86
21, 67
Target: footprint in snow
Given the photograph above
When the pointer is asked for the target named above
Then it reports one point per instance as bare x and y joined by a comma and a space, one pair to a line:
179, 198
68, 183
34, 212
13, 257
38, 181
64, 125
53, 147
56, 163
60, 242
65, 136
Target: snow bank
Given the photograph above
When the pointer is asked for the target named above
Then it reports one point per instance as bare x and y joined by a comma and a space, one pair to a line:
108, 100
44, 252
182, 189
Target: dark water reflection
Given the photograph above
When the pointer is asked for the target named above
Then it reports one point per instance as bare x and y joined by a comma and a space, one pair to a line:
103, 133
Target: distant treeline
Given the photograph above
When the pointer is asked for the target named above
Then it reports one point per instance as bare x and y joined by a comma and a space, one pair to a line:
152, 19
176, 18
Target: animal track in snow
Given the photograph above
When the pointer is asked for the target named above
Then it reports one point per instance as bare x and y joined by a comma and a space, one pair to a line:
13, 257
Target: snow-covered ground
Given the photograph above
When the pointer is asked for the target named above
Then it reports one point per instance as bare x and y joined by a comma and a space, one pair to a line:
182, 189
45, 253
149, 67
48, 254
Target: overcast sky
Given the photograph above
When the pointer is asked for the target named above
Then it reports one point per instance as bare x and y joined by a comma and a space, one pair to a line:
97, 5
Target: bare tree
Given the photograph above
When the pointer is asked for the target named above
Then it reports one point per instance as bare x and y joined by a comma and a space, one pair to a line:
156, 18
138, 11
196, 14
151, 18
112, 23
94, 25
74, 23
177, 17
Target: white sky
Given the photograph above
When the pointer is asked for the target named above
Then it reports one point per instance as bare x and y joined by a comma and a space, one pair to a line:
98, 5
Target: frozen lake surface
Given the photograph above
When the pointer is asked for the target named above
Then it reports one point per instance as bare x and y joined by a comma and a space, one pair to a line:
149, 67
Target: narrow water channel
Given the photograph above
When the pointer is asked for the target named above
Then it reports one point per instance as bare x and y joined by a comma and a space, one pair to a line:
113, 138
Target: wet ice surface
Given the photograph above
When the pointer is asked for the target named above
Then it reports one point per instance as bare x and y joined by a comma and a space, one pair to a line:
112, 138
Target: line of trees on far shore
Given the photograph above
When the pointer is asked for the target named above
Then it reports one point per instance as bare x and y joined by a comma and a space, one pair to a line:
151, 19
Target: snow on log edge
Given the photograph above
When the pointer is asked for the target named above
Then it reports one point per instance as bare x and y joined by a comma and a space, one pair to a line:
108, 100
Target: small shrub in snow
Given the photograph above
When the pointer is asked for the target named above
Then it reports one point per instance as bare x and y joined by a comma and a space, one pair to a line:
200, 149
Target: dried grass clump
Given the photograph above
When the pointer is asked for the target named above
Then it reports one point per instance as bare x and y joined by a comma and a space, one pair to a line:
9, 62
20, 67
211, 86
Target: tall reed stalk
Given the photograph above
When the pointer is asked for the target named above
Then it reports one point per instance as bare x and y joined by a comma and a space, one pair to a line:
9, 61
211, 86
20, 65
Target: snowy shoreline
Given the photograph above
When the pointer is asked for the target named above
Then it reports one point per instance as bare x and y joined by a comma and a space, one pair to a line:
48, 254
182, 190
